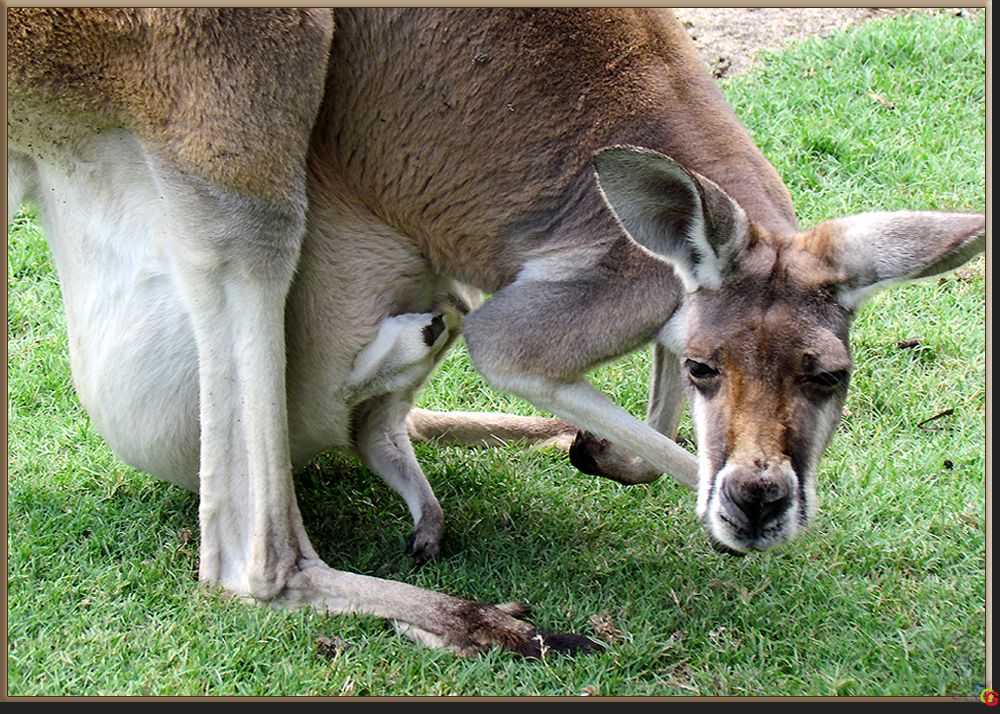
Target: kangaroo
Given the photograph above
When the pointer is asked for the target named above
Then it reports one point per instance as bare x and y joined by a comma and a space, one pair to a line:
265, 224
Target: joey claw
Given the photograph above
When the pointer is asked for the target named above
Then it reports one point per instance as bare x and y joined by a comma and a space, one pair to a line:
425, 541
422, 551
433, 331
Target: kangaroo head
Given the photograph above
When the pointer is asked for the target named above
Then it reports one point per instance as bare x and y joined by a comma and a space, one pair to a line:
763, 339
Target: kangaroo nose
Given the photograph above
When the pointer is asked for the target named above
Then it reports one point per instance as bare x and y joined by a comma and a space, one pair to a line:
755, 501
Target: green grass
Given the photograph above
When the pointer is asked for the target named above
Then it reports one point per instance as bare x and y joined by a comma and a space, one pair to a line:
884, 596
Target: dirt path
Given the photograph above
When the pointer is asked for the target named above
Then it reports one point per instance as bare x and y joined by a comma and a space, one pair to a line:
729, 38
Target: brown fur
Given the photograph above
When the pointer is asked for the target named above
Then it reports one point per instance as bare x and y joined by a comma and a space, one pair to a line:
600, 76
210, 107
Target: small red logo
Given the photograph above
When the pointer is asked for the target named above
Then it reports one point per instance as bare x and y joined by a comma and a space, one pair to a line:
988, 697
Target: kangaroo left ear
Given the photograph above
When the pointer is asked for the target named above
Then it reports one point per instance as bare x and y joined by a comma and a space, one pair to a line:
677, 215
878, 250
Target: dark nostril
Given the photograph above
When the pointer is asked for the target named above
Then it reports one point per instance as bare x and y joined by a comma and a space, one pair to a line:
758, 505
770, 510
747, 508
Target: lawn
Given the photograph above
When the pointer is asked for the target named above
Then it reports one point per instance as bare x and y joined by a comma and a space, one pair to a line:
884, 596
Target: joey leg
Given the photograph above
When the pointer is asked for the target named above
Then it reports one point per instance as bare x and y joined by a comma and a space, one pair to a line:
383, 444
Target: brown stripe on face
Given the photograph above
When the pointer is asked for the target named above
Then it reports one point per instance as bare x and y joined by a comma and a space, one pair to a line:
757, 411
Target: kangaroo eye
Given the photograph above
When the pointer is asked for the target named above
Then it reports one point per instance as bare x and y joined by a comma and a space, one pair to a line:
828, 380
700, 371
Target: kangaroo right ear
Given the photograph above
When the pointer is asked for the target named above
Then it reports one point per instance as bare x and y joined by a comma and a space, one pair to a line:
877, 250
677, 215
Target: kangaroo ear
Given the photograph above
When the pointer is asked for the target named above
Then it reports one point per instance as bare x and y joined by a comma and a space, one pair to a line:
878, 250
676, 214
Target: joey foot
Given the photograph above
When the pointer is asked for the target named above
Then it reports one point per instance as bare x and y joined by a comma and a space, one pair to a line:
425, 540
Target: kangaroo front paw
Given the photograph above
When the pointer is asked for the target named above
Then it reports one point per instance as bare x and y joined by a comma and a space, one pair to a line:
593, 455
433, 330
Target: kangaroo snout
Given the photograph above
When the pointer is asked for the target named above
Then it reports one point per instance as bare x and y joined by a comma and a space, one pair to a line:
755, 500
754, 506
